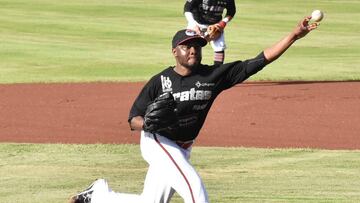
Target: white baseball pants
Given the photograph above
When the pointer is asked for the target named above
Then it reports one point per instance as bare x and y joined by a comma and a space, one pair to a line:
169, 171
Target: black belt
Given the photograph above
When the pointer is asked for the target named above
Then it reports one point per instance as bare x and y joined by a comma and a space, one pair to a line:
184, 144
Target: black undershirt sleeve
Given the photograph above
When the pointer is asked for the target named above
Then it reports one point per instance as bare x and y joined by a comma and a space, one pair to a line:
256, 64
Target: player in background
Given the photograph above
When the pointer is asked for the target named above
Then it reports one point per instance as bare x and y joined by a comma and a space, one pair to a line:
202, 13
194, 87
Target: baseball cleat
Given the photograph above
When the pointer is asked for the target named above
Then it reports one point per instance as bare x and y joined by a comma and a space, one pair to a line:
86, 195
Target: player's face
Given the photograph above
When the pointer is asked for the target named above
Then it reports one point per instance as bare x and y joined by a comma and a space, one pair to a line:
188, 55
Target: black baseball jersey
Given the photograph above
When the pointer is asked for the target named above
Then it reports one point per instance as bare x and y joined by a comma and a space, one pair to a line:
194, 94
210, 11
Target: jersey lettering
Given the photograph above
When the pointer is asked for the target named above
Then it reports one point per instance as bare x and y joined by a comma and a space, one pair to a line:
193, 95
184, 96
213, 6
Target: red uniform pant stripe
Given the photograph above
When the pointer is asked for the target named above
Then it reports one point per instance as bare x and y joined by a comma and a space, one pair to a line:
177, 166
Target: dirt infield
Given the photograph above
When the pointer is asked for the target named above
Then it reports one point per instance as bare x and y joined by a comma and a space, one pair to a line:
303, 114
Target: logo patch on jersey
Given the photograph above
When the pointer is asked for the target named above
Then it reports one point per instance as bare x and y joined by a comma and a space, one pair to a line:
166, 84
200, 107
198, 84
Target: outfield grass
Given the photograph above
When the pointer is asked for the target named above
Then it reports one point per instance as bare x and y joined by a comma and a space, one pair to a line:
129, 40
36, 173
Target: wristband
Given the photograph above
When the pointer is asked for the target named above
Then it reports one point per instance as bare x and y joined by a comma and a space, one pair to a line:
222, 24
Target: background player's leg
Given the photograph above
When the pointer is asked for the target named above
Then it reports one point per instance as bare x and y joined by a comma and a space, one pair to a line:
219, 57
219, 47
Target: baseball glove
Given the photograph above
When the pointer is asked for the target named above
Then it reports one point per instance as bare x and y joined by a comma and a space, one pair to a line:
213, 32
161, 114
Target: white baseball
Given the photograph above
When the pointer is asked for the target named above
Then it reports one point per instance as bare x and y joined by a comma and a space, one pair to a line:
317, 15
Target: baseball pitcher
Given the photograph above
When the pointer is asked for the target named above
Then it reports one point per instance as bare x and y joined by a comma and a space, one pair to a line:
171, 109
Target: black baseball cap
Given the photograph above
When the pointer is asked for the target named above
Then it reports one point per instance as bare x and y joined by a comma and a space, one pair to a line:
185, 35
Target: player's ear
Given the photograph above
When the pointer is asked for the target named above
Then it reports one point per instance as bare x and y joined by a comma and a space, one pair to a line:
174, 51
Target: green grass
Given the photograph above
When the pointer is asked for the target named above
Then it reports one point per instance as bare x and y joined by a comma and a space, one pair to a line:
129, 40
36, 173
